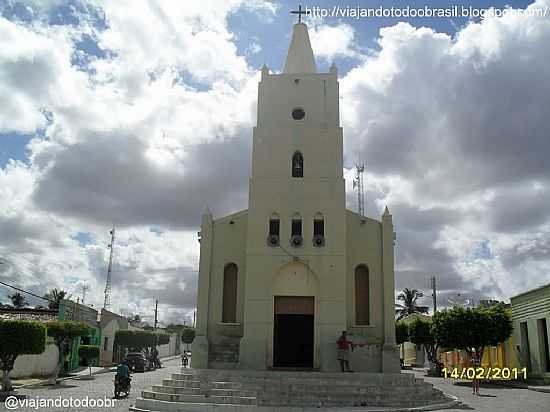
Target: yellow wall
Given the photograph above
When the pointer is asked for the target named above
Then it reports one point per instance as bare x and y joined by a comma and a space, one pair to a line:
501, 356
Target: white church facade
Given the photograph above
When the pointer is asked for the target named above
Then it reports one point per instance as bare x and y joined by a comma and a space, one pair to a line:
280, 281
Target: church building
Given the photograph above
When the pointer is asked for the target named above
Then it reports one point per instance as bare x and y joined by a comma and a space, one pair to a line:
280, 281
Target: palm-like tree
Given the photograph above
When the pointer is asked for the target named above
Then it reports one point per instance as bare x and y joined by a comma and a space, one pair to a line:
57, 296
18, 300
409, 306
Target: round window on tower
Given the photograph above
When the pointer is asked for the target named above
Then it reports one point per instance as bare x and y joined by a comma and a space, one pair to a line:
298, 113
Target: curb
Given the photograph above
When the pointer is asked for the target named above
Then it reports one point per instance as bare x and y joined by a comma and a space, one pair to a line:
107, 369
542, 389
79, 377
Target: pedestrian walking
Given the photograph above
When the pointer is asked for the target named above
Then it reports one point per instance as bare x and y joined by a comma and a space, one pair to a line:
476, 363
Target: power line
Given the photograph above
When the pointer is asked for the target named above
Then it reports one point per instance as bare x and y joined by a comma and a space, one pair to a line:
27, 292
19, 268
13, 259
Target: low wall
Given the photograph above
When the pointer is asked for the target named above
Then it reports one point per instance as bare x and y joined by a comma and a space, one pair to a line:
169, 349
36, 365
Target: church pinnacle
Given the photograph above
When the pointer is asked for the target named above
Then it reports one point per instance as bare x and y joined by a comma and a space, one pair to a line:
300, 58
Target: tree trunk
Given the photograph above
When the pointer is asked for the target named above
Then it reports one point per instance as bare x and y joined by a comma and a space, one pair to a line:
53, 378
6, 382
60, 358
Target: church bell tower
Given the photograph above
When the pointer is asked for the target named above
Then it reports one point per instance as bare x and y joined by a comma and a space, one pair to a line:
296, 216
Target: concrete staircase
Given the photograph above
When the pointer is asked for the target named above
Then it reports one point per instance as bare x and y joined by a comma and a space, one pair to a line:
232, 390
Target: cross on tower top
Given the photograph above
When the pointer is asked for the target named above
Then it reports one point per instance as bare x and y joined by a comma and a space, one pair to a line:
299, 12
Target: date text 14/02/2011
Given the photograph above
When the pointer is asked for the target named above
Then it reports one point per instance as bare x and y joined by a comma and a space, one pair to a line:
490, 373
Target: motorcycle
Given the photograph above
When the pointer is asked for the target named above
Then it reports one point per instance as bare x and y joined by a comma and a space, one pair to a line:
122, 385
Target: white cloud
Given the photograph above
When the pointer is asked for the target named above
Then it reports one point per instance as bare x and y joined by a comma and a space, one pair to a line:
453, 133
458, 125
170, 89
329, 42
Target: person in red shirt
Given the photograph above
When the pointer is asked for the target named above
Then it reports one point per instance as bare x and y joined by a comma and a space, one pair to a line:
344, 346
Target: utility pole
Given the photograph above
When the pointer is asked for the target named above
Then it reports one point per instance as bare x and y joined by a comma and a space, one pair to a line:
194, 317
107, 301
156, 313
434, 295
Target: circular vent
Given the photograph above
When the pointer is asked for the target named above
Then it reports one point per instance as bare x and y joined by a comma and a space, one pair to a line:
318, 241
273, 240
298, 113
296, 241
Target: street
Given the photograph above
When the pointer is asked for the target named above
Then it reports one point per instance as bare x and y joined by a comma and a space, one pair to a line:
493, 398
99, 388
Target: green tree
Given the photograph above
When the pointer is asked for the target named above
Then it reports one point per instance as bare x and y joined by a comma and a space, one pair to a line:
409, 306
89, 353
18, 337
501, 323
401, 332
420, 333
472, 329
175, 328
188, 336
18, 300
63, 332
135, 340
139, 340
57, 296
163, 338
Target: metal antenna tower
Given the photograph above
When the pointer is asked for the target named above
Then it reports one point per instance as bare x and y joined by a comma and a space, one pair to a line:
85, 288
358, 183
107, 301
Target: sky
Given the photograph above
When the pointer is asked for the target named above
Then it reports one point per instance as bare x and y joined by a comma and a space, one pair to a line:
131, 113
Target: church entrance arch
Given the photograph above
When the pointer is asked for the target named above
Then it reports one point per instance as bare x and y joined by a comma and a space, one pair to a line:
294, 306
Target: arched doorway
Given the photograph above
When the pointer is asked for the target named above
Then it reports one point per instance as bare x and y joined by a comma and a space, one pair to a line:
294, 300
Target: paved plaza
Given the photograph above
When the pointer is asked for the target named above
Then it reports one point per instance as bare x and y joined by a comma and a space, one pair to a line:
99, 388
493, 398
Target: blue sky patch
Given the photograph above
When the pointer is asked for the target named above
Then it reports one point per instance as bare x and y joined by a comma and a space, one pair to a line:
273, 36
483, 250
13, 146
83, 238
156, 229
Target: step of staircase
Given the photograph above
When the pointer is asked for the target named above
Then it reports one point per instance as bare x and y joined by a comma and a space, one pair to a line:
203, 398
193, 389
203, 391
